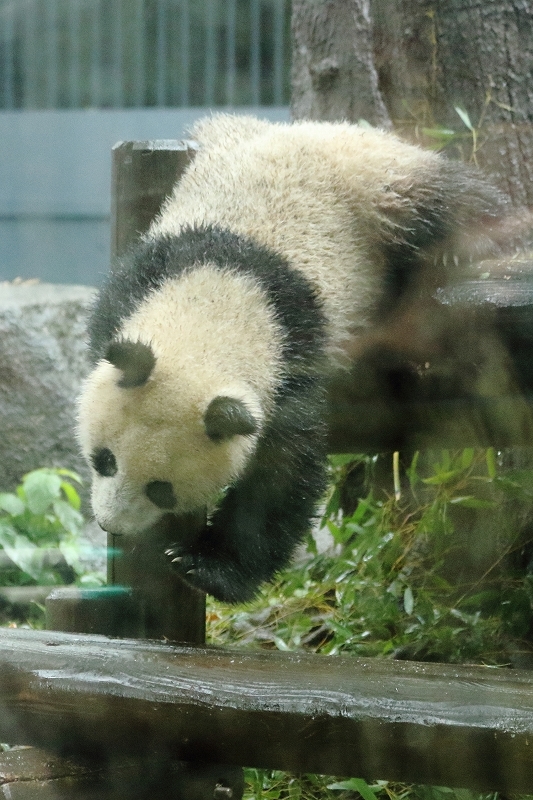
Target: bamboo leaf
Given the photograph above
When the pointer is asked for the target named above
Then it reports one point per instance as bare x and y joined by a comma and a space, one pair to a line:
465, 118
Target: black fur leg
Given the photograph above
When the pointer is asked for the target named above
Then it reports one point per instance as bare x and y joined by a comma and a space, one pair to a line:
223, 577
266, 514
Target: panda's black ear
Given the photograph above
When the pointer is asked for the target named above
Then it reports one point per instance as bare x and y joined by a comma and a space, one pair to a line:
226, 417
134, 359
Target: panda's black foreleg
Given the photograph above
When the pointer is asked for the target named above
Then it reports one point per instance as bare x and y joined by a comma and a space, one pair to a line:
261, 520
248, 541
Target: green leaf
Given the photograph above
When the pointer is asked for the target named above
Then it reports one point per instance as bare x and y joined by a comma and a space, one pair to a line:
411, 472
23, 553
281, 645
465, 118
68, 473
70, 519
341, 459
491, 462
354, 785
473, 502
439, 133
71, 553
12, 504
442, 477
408, 600
333, 503
41, 487
8, 535
467, 457
71, 494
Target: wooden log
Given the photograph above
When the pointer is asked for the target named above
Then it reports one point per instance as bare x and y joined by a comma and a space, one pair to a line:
27, 773
396, 720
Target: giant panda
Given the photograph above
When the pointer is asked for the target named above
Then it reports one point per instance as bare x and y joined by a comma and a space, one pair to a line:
214, 339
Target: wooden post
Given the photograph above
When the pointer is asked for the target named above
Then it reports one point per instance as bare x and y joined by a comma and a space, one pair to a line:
144, 174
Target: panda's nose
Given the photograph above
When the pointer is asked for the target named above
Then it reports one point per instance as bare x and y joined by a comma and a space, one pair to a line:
161, 494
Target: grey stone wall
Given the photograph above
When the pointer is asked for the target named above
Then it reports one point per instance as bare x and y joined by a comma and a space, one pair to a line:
43, 359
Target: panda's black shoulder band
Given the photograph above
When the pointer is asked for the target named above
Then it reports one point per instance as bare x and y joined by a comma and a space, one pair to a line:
146, 268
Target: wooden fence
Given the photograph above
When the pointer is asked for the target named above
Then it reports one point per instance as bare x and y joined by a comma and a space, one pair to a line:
157, 719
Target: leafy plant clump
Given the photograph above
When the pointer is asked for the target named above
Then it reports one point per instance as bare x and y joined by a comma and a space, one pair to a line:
41, 541
386, 586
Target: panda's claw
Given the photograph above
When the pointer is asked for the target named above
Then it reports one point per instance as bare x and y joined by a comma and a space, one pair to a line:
184, 563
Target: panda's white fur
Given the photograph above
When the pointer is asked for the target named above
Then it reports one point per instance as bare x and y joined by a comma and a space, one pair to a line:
177, 321
321, 194
352, 219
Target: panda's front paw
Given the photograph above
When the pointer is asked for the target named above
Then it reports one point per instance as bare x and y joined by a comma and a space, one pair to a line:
214, 573
184, 563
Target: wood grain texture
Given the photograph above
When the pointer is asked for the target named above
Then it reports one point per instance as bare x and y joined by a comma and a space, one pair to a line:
427, 723
27, 773
434, 55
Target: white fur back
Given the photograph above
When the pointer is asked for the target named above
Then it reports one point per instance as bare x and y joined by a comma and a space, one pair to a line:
209, 329
321, 194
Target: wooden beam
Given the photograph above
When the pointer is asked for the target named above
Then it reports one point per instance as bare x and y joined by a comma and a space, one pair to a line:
27, 773
161, 604
393, 720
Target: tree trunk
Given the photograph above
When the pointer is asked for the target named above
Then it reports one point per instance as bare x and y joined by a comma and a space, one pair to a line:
433, 56
333, 74
414, 64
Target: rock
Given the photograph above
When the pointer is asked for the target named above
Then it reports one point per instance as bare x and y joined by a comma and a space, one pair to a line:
43, 359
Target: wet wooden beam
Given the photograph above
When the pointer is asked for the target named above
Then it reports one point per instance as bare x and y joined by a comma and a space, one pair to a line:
27, 773
392, 720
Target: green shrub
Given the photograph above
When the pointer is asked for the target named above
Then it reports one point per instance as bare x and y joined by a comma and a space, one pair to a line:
386, 587
41, 532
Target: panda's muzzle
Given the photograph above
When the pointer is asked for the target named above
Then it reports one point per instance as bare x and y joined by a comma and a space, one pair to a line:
161, 494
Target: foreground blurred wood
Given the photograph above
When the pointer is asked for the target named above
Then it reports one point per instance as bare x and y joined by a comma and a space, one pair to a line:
453, 370
423, 723
28, 773
144, 173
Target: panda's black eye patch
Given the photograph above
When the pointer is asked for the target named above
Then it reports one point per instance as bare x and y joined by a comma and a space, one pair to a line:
104, 462
161, 494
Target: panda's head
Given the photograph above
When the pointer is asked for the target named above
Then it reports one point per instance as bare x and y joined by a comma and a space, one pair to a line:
159, 442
